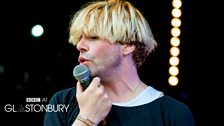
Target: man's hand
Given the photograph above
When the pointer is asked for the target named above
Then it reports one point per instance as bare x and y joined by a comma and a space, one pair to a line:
94, 102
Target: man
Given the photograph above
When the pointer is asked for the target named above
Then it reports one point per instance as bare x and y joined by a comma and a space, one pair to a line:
114, 39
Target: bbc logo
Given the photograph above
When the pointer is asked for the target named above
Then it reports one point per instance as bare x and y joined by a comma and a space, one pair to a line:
32, 99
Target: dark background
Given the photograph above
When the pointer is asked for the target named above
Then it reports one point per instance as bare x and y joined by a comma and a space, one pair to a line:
38, 67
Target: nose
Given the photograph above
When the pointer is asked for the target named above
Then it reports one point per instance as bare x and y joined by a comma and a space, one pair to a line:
82, 46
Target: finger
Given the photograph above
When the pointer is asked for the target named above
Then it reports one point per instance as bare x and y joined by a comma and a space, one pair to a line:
95, 83
79, 89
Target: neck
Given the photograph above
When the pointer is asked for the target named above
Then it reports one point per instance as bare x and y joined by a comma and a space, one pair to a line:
124, 85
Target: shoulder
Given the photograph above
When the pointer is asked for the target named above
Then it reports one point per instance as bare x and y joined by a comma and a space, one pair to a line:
64, 108
172, 104
176, 110
67, 91
63, 96
171, 101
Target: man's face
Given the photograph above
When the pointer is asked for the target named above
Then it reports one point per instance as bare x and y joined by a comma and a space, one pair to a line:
100, 56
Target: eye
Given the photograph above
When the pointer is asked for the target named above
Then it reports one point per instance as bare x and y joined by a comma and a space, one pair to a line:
94, 37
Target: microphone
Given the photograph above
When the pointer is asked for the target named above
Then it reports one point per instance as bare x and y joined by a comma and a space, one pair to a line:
82, 73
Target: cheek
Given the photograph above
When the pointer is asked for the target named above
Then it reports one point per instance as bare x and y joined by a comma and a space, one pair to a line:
102, 51
108, 56
105, 52
105, 59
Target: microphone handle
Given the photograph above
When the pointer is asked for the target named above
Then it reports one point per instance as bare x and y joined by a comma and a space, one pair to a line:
85, 83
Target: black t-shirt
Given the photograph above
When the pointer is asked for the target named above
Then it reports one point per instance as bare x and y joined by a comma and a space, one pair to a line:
164, 111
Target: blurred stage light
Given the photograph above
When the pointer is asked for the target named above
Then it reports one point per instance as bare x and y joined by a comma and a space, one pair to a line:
1, 69
175, 42
37, 31
173, 80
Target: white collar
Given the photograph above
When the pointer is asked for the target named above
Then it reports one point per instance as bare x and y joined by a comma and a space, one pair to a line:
148, 95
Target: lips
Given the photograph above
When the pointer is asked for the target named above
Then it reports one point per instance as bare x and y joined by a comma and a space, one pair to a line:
82, 59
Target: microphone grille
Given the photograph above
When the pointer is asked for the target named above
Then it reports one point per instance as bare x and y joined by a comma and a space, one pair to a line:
81, 72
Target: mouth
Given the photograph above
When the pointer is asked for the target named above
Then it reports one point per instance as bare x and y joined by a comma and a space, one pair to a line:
81, 60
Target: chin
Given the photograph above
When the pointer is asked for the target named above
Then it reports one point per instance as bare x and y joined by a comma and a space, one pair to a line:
92, 74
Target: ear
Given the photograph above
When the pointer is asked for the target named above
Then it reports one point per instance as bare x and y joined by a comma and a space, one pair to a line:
127, 49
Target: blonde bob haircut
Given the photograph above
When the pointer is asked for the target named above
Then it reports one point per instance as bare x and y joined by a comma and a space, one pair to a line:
117, 21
